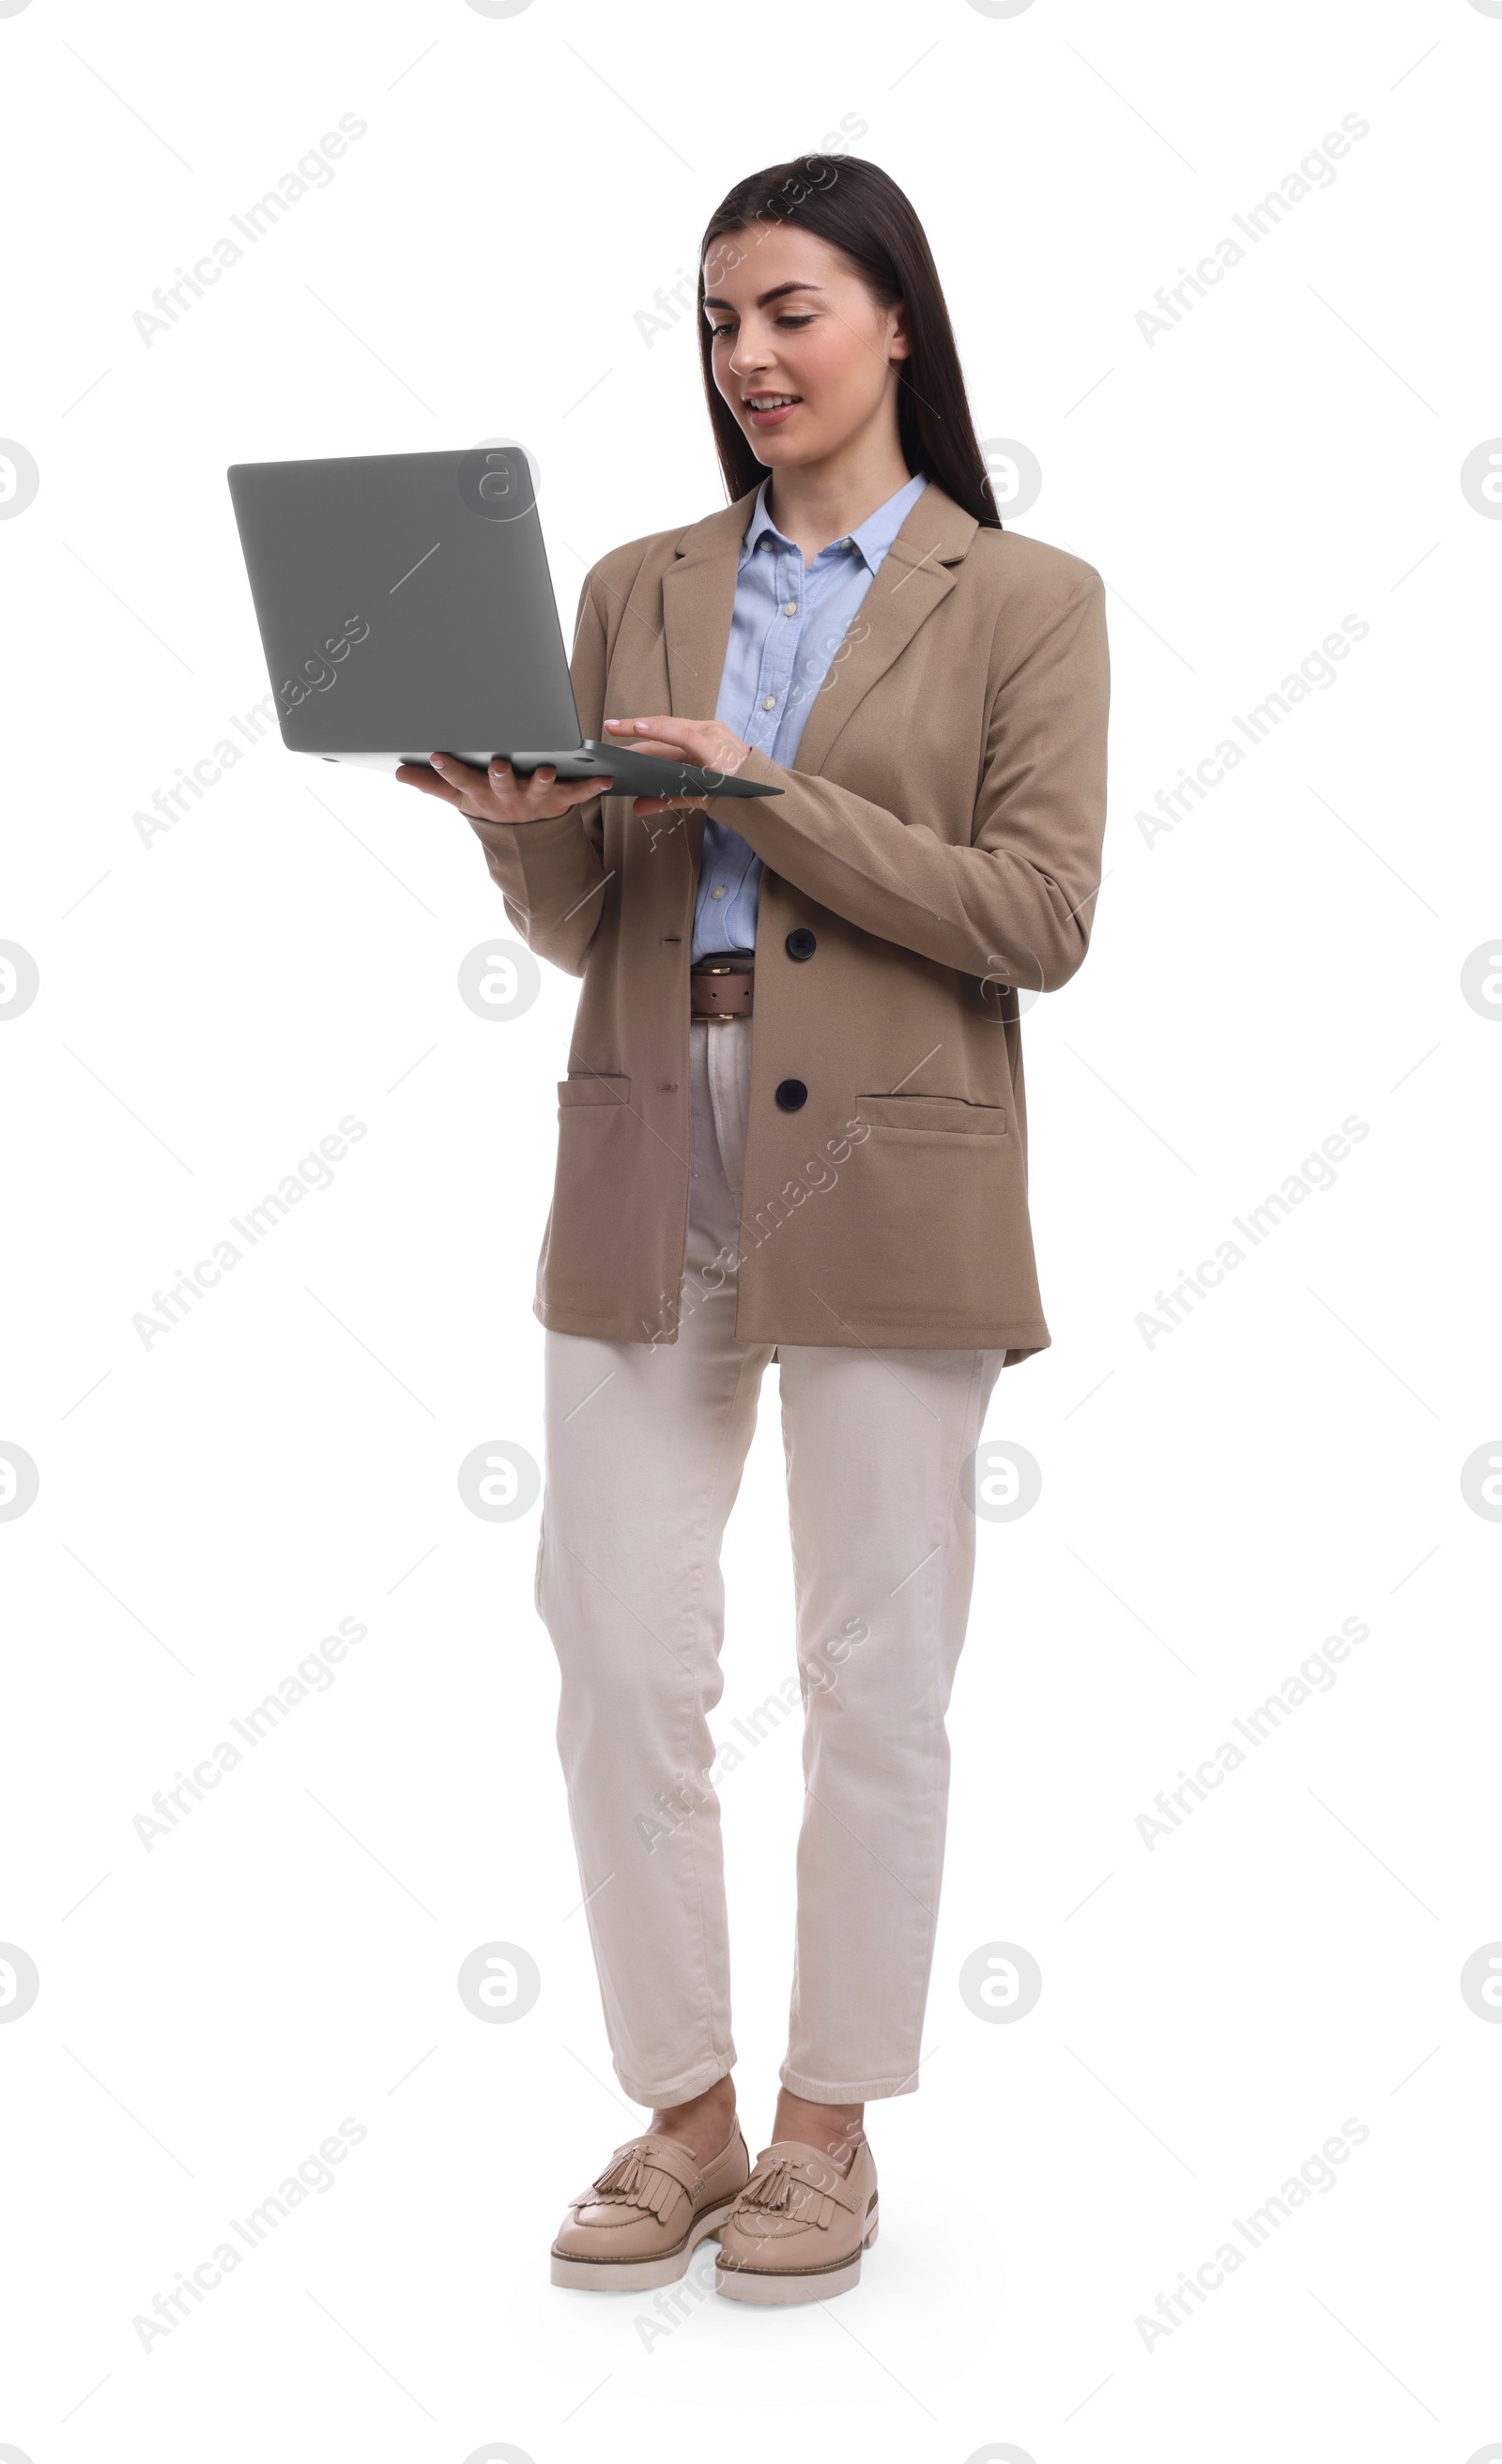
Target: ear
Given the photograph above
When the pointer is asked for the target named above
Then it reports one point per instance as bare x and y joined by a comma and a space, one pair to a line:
899, 345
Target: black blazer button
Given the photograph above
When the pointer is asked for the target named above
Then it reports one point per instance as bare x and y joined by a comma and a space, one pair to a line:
801, 944
792, 1094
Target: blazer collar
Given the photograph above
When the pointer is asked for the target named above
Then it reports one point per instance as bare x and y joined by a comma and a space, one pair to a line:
698, 591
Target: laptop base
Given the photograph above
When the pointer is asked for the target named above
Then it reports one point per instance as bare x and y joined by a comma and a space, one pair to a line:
630, 773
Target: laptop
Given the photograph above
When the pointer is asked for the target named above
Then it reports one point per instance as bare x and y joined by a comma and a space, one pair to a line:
405, 609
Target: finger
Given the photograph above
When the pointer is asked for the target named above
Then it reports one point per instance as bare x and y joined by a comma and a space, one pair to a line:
503, 781
546, 786
410, 774
544, 789
706, 746
462, 775
675, 731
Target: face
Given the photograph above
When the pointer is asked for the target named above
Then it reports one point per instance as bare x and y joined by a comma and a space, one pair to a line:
803, 355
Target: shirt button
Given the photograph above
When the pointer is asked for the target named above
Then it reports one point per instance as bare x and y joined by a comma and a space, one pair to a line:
791, 608
770, 702
718, 891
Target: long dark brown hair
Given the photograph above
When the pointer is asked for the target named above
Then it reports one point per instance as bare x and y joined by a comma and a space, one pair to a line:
858, 209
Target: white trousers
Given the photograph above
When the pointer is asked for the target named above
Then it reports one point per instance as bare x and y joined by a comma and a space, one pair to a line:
646, 1443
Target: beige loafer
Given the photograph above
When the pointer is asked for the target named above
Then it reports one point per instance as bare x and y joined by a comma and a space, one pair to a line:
641, 2220
797, 2232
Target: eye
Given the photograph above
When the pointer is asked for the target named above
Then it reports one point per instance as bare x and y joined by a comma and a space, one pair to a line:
805, 319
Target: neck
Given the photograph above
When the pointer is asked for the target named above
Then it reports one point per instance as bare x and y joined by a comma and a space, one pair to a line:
815, 502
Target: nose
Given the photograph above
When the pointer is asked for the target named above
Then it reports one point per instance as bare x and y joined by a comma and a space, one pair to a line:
749, 354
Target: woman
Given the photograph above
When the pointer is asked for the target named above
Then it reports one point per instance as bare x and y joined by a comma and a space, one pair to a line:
792, 1129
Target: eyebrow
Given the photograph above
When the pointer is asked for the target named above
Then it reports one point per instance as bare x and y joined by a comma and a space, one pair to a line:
764, 299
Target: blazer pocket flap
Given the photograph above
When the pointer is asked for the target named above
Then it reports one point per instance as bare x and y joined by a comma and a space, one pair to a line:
932, 1112
594, 1087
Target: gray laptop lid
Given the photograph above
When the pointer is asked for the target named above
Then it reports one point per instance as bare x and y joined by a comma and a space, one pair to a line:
405, 602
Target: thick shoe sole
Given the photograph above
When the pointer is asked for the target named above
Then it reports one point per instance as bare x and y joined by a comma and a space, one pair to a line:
639, 2274
782, 2285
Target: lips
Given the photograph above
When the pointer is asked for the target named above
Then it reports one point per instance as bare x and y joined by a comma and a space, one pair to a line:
770, 411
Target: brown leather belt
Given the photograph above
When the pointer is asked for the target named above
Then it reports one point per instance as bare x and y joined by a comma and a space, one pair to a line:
716, 989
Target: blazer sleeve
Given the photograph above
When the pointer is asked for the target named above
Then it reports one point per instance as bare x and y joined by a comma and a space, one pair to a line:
552, 874
1017, 902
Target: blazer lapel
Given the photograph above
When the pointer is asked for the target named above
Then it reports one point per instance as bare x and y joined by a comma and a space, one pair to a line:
914, 577
698, 595
699, 592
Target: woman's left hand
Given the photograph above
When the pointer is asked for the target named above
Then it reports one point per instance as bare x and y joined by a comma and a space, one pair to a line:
705, 741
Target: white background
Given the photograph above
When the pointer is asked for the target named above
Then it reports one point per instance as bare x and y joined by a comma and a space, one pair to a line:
1214, 1503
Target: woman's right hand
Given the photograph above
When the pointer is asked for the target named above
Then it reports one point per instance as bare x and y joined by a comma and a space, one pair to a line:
498, 794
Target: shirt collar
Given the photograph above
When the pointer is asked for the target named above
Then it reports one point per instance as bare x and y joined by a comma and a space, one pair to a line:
870, 542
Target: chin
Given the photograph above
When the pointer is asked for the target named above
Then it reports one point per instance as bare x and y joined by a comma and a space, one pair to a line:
778, 448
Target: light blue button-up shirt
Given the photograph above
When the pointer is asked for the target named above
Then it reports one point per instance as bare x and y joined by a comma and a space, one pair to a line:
788, 621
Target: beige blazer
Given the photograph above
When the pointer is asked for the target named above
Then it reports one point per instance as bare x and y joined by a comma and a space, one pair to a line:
936, 850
